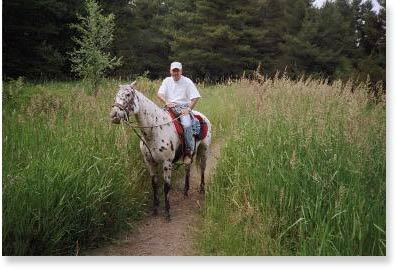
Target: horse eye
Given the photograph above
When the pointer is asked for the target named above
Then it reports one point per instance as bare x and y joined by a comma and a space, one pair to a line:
127, 95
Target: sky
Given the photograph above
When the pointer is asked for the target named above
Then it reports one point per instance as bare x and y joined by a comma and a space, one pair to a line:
376, 6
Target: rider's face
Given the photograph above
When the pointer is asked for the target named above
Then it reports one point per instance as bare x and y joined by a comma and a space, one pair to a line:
176, 74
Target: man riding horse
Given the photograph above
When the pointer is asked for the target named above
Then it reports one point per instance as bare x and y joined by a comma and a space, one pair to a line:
181, 95
160, 141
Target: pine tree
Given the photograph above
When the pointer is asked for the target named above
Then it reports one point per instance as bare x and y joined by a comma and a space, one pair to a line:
296, 10
220, 39
36, 38
274, 22
373, 43
324, 44
214, 39
139, 38
207, 44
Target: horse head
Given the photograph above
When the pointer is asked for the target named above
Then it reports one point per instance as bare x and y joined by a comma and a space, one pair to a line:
125, 103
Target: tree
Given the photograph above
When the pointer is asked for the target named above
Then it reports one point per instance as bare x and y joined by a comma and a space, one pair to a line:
138, 37
371, 42
296, 10
92, 58
200, 37
36, 38
273, 24
216, 39
324, 43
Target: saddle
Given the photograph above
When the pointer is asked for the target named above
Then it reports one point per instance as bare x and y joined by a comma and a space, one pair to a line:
179, 127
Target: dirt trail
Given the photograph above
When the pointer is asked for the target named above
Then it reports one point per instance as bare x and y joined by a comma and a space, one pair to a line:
155, 236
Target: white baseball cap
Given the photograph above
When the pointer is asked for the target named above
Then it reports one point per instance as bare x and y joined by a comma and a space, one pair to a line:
176, 65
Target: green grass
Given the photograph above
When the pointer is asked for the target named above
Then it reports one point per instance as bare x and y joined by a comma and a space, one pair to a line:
71, 179
304, 174
302, 170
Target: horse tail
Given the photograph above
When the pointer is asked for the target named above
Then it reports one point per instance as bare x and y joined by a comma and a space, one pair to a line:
203, 152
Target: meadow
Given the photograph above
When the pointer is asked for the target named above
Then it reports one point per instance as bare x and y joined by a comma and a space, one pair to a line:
71, 179
304, 173
302, 169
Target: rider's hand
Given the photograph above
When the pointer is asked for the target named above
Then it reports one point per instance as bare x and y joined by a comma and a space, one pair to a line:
185, 111
170, 104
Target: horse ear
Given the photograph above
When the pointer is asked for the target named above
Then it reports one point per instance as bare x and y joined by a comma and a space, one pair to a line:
133, 85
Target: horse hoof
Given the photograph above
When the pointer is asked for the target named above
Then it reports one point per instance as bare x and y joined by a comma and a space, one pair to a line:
202, 190
185, 195
168, 217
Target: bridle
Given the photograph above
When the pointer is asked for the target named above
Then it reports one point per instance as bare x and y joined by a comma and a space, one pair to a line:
119, 106
126, 109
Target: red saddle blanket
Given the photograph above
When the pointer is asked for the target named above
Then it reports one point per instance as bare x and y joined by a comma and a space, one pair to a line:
179, 127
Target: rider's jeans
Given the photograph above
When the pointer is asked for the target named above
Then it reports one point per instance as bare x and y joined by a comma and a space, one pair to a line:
188, 132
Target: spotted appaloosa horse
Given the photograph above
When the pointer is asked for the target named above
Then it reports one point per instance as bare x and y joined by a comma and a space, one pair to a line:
162, 145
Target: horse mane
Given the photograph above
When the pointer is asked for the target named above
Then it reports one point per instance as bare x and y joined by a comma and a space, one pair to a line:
149, 110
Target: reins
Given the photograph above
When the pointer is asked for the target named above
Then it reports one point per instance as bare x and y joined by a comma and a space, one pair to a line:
141, 127
153, 126
144, 142
136, 126
127, 122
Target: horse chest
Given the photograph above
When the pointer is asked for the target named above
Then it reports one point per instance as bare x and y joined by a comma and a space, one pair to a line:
164, 145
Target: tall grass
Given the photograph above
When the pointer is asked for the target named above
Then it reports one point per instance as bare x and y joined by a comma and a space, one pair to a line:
305, 174
71, 179
302, 171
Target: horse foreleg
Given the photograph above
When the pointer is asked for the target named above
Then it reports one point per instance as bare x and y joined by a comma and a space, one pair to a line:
167, 169
151, 165
187, 181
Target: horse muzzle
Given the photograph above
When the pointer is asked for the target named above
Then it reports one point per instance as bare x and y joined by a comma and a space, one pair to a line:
115, 120
115, 117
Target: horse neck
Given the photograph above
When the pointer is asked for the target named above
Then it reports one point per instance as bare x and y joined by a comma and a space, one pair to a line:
149, 114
